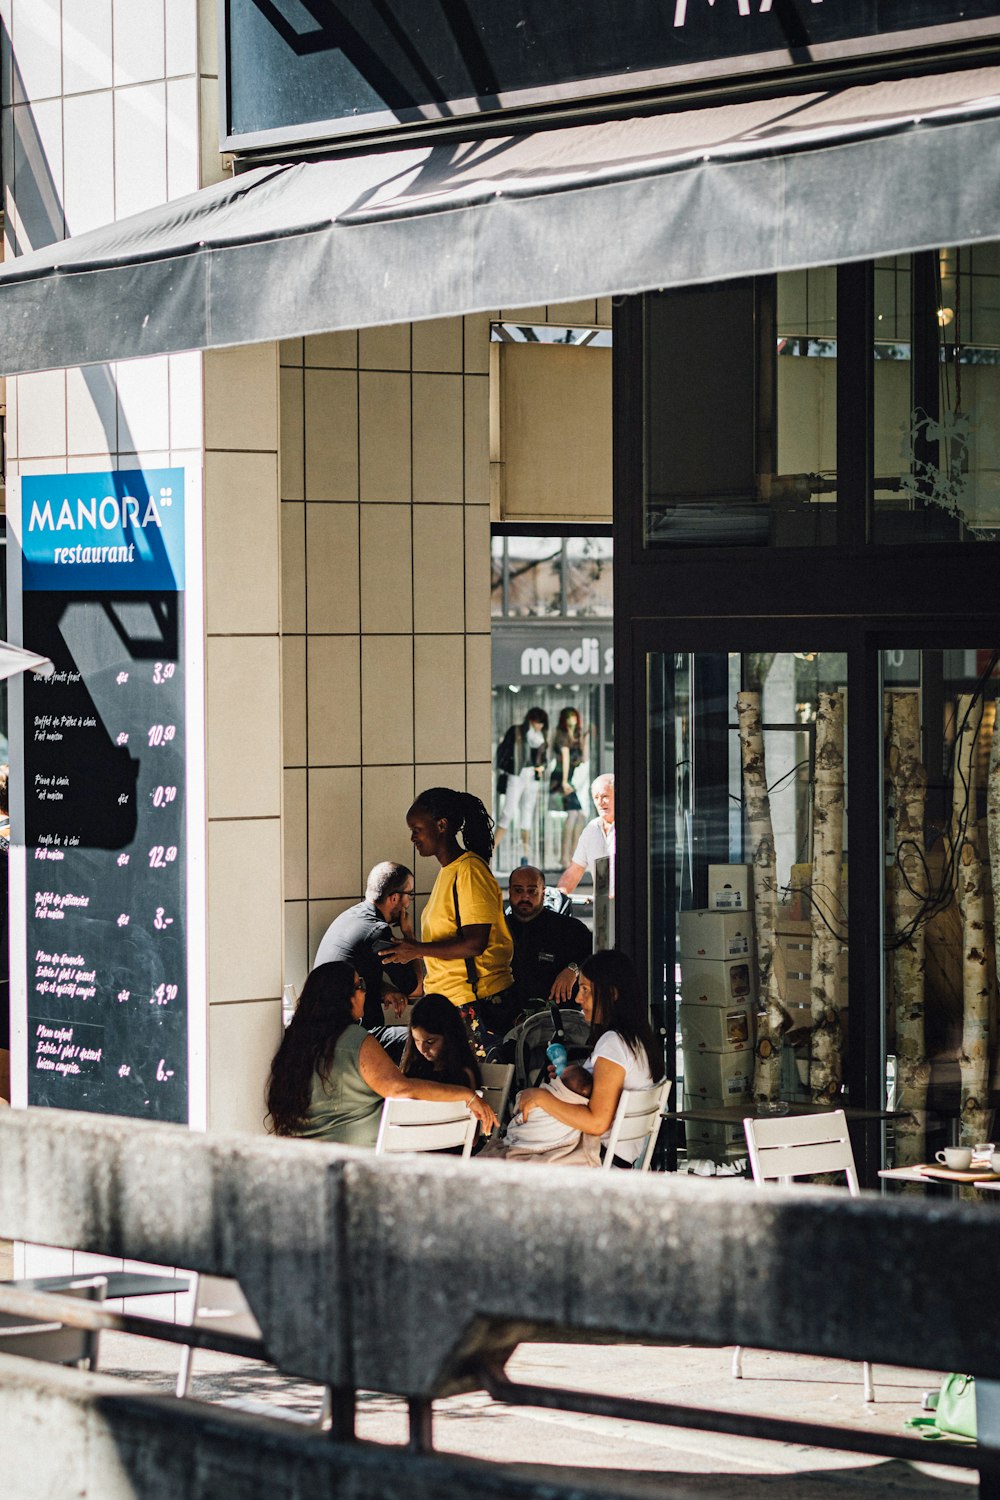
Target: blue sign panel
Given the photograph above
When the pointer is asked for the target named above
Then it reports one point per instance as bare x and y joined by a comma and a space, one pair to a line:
104, 790
120, 531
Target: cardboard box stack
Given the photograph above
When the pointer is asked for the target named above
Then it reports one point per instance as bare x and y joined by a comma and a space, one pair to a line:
717, 1012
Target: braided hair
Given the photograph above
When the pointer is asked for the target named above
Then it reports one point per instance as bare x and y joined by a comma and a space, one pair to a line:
464, 813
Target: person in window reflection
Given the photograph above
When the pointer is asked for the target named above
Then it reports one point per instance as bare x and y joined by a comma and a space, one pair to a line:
521, 759
597, 839
570, 746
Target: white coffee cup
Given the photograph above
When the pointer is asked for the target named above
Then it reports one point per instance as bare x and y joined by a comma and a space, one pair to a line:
995, 1161
955, 1158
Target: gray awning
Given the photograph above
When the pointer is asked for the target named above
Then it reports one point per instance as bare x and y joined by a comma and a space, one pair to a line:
546, 217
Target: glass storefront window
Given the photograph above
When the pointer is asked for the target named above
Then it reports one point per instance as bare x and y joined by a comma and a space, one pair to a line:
588, 576
942, 818
747, 756
937, 476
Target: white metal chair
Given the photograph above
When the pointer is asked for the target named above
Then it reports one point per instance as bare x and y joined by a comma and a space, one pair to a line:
793, 1146
498, 1079
638, 1117
423, 1125
214, 1300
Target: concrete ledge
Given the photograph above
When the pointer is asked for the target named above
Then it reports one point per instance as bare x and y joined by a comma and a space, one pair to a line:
94, 1438
398, 1275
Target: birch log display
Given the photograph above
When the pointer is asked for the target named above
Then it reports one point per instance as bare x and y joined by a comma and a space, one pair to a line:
827, 1041
775, 1019
974, 1058
908, 785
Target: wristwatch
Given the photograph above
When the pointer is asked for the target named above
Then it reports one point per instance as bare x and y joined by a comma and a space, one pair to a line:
574, 969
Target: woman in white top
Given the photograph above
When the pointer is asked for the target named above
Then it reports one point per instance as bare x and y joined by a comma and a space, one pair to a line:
624, 1054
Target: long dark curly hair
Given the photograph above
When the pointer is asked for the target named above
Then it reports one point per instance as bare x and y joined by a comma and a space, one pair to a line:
321, 1017
619, 1005
464, 813
438, 1016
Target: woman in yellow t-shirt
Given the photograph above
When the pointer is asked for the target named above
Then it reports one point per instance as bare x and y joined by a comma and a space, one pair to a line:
465, 943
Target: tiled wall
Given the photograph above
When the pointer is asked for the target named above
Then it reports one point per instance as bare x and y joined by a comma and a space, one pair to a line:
385, 600
110, 108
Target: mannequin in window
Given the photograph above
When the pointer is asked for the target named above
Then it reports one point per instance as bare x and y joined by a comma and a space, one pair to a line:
522, 756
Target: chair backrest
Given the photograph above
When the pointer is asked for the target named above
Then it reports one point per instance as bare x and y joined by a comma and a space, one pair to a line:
638, 1118
423, 1125
497, 1081
55, 1342
800, 1146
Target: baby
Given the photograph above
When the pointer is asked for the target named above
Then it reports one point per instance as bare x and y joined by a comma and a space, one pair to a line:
540, 1131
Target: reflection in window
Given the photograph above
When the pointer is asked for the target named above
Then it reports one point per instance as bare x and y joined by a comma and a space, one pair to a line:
942, 831
761, 955
544, 577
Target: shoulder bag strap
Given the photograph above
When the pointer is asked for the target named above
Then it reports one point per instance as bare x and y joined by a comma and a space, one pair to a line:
470, 963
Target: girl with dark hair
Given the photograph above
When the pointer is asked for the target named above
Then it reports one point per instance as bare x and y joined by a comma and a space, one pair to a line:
438, 1044
521, 759
624, 1053
330, 1076
465, 941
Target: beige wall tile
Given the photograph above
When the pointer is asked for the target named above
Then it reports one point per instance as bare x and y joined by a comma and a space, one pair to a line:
293, 566
574, 313
438, 568
187, 411
477, 568
143, 403
384, 428
321, 914
437, 345
477, 439
523, 315
241, 397
293, 699
478, 701
386, 793
335, 351
294, 836
331, 407
386, 568
292, 437
243, 711
290, 352
212, 161
386, 695
245, 909
242, 1040
385, 348
41, 415
297, 951
91, 411
242, 556
479, 780
604, 314
438, 437
332, 567
334, 686
477, 344
439, 697
334, 833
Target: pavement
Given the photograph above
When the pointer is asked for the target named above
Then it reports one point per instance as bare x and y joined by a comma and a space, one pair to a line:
632, 1458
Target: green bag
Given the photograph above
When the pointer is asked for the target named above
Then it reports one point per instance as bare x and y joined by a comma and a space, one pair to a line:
954, 1411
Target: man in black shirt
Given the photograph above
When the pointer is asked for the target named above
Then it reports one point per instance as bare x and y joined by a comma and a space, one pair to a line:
548, 947
359, 934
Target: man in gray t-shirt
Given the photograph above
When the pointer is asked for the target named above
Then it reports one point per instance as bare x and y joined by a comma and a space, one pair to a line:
359, 934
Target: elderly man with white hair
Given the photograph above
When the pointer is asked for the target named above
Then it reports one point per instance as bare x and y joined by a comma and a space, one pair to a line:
596, 840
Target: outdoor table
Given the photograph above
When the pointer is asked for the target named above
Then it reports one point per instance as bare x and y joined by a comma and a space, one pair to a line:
735, 1114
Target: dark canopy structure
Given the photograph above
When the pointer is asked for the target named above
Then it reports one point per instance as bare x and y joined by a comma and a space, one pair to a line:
543, 217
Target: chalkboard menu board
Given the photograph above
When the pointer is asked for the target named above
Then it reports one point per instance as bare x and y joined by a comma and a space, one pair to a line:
102, 774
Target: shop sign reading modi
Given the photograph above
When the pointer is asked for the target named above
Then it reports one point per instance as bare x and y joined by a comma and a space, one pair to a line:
107, 856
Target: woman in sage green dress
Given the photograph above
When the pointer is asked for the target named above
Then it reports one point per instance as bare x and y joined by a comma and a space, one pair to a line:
329, 1076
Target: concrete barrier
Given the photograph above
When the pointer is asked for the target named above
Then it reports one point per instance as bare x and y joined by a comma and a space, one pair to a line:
328, 1242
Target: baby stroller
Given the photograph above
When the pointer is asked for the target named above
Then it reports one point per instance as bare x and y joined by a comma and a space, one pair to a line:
526, 1044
